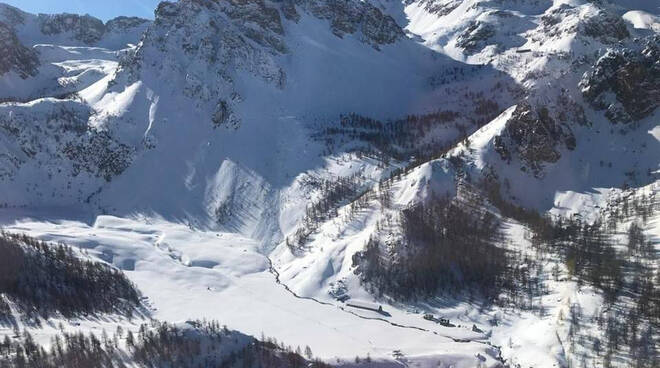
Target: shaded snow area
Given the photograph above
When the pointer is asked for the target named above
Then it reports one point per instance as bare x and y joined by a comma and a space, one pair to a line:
425, 183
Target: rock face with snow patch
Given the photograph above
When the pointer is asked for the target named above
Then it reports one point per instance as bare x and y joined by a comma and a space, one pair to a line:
85, 28
606, 27
72, 29
589, 22
209, 42
625, 83
474, 38
14, 56
123, 24
349, 17
48, 146
439, 8
534, 136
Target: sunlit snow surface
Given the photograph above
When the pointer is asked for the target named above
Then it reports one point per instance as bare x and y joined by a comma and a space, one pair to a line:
194, 274
187, 273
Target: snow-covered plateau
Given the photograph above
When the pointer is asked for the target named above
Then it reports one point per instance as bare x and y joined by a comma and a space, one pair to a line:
354, 183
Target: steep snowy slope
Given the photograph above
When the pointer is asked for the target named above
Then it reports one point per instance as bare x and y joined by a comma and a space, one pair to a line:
575, 62
219, 85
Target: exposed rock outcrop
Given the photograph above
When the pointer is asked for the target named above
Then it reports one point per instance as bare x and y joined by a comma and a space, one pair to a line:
475, 36
534, 136
625, 83
121, 24
207, 42
99, 154
71, 29
592, 23
57, 135
349, 17
439, 8
84, 28
11, 16
606, 27
14, 56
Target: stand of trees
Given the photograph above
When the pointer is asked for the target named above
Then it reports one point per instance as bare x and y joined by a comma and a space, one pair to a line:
42, 279
158, 344
630, 283
626, 272
447, 247
333, 193
399, 139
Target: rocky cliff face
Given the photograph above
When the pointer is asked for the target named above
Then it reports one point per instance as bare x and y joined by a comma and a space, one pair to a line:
37, 49
57, 135
123, 24
625, 83
242, 36
349, 17
12, 16
534, 136
85, 28
588, 22
605, 26
475, 37
568, 57
439, 8
208, 41
14, 56
72, 29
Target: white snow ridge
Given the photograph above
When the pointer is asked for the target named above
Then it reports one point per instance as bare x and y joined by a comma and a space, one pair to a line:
350, 183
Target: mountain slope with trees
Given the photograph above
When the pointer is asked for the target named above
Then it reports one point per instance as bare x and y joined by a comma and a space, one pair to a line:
474, 169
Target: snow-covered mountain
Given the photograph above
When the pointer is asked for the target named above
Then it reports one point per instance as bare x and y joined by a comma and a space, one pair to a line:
44, 52
374, 150
72, 29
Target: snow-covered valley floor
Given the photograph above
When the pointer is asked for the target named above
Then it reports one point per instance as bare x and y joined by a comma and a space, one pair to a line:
187, 274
